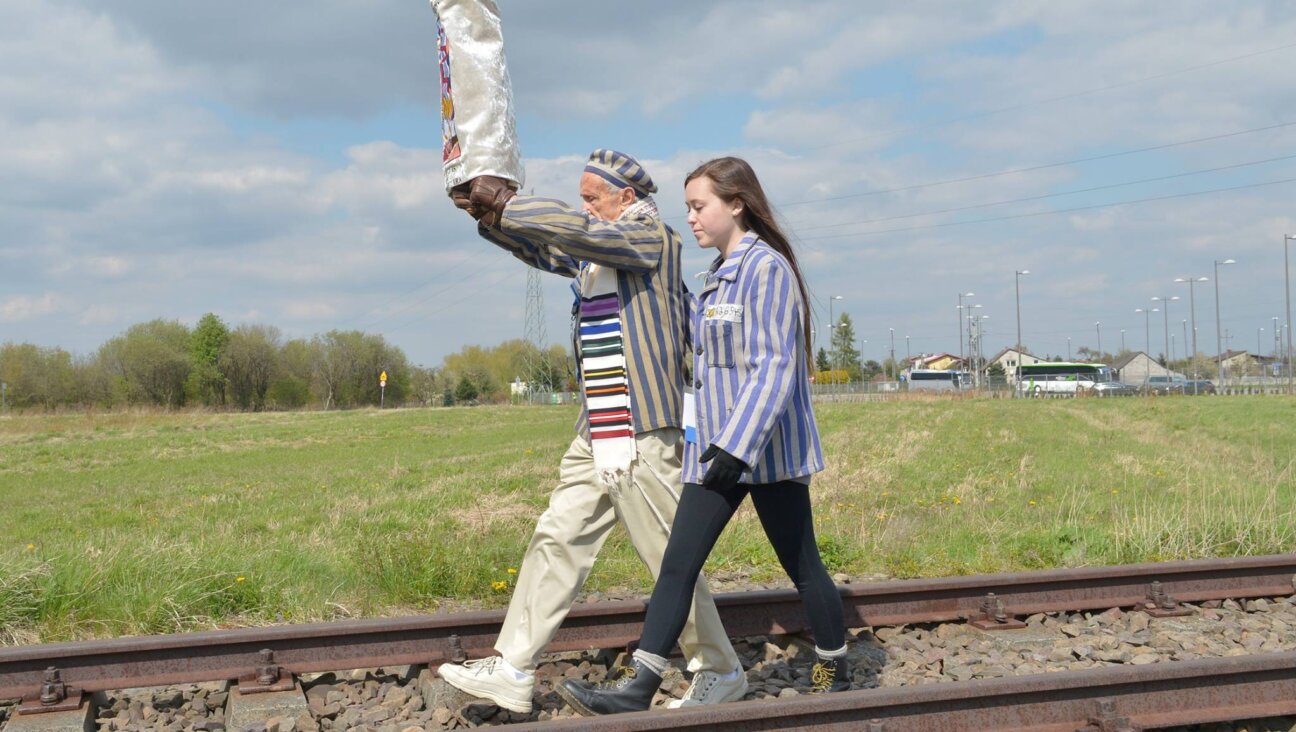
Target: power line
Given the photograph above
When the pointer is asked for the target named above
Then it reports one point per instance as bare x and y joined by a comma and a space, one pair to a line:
1001, 110
453, 303
1049, 100
380, 319
1052, 195
1057, 211
1029, 169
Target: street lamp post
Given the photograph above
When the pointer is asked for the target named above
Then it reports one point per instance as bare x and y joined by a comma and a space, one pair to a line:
1192, 312
960, 312
1098, 328
1017, 275
1068, 348
971, 316
1219, 351
908, 351
980, 352
893, 363
832, 333
1122, 340
1147, 328
863, 379
1147, 337
832, 379
1287, 287
1165, 316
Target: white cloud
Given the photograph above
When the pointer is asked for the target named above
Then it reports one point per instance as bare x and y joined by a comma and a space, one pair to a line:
1100, 221
130, 174
105, 267
308, 310
100, 315
24, 307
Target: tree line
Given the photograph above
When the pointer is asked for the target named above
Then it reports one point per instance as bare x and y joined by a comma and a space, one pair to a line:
164, 363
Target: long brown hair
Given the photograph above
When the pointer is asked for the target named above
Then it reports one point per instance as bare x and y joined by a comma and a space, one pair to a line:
733, 179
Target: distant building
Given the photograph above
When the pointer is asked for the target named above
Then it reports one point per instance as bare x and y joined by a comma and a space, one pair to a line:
1239, 363
936, 362
1009, 359
1136, 367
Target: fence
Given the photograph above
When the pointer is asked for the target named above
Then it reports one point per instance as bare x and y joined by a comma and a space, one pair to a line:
1255, 385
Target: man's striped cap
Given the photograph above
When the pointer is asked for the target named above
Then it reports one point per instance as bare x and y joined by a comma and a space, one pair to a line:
620, 170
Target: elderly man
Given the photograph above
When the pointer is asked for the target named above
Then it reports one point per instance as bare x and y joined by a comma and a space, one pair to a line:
628, 334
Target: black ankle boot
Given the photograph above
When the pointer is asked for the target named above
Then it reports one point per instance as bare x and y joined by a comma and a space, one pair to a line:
631, 691
832, 674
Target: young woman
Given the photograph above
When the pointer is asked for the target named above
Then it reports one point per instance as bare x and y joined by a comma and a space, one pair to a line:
756, 435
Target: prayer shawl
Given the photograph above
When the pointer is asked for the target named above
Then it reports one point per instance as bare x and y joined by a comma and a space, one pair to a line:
478, 131
603, 364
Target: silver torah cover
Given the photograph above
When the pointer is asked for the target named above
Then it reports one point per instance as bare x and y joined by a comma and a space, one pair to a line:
479, 134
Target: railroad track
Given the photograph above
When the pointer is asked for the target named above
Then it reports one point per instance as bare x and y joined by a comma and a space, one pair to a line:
1198, 691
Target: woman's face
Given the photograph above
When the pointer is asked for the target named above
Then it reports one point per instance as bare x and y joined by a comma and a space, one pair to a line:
714, 221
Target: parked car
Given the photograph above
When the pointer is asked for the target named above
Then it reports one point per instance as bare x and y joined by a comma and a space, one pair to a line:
1113, 388
1163, 385
1198, 386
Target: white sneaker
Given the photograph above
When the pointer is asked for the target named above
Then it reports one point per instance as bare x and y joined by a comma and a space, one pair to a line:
709, 687
487, 678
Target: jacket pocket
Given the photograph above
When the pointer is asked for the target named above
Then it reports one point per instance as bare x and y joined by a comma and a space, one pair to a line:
718, 344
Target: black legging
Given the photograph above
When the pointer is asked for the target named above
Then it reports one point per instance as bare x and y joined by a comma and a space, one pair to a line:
784, 511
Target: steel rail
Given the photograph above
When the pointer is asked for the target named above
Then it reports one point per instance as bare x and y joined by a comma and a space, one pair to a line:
228, 654
1114, 699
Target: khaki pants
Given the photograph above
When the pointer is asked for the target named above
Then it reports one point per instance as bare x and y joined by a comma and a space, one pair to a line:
568, 536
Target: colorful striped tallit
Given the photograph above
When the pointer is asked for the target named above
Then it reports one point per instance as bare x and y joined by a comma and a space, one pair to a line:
603, 365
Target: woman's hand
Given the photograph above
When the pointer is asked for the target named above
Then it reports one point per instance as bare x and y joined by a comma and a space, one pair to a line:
724, 473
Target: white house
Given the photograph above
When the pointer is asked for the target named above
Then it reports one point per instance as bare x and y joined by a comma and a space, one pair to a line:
1009, 359
1136, 367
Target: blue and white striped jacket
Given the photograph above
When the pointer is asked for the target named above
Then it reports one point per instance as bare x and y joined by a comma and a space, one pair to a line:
554, 237
750, 370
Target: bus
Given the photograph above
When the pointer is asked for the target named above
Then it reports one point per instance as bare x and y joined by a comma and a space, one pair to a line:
1059, 379
934, 380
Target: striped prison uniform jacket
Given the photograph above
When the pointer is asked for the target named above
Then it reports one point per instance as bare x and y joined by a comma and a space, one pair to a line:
551, 236
751, 370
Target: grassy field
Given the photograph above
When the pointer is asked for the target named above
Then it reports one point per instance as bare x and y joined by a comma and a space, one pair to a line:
140, 523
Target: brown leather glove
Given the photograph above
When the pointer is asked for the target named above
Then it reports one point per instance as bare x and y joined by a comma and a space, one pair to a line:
488, 196
459, 197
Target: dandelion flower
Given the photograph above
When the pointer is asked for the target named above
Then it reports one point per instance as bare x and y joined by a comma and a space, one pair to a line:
512, 570
1031, 503
31, 547
499, 585
240, 579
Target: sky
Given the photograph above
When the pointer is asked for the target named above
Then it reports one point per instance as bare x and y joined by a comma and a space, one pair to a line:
278, 163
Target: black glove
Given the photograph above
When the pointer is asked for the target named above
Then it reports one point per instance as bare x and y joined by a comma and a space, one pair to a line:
724, 473
488, 196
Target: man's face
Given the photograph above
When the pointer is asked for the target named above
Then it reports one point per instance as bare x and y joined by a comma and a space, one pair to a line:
601, 200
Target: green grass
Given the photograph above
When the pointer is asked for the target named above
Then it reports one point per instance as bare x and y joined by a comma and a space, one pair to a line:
117, 524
